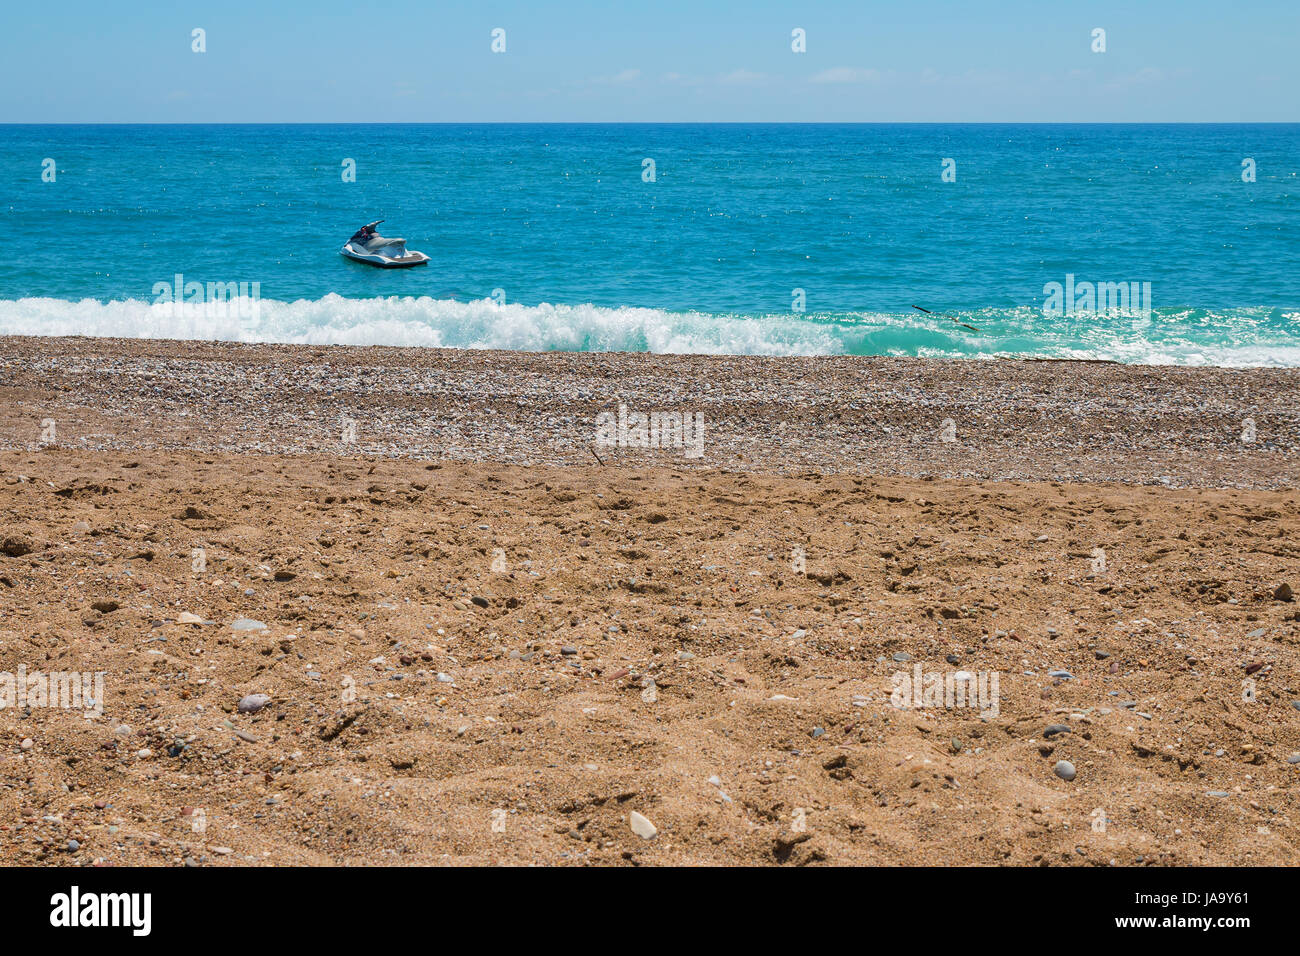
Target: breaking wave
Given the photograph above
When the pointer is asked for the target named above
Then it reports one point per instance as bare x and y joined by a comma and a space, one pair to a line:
1240, 337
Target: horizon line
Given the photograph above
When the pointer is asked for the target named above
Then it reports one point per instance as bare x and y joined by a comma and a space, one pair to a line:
1294, 122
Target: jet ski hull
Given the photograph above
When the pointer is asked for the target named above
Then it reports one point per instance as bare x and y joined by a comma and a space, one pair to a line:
383, 261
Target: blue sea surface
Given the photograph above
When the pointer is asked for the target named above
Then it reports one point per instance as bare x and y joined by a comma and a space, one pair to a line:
551, 237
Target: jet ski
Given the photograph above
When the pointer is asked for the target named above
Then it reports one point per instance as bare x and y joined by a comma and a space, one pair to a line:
369, 247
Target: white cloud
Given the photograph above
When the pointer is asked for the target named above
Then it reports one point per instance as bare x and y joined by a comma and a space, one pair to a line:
742, 78
1143, 77
846, 74
620, 78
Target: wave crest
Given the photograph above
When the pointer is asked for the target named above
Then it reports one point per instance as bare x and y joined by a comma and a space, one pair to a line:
1240, 337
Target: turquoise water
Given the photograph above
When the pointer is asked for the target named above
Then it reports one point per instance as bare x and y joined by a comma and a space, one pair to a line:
586, 254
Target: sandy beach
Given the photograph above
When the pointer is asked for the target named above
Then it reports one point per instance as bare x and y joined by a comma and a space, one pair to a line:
488, 637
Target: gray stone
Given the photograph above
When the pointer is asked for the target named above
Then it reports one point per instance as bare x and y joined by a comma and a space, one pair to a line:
1064, 769
252, 703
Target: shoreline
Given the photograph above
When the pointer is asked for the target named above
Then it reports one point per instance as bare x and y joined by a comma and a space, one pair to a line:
1012, 419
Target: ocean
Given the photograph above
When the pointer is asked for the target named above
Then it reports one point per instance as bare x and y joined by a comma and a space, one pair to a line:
1164, 244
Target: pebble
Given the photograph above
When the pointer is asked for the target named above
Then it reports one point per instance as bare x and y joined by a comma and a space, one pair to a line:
1064, 769
187, 618
953, 659
247, 624
902, 657
73, 846
445, 678
1055, 729
1216, 793
641, 826
1060, 674
1294, 758
480, 601
1283, 592
252, 703
568, 650
818, 732
27, 743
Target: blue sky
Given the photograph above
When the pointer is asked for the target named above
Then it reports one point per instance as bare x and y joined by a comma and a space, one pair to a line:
658, 61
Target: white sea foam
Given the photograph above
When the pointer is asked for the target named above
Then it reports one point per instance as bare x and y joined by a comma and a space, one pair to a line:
481, 324
1238, 338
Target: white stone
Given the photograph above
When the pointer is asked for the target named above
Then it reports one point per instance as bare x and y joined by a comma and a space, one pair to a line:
641, 826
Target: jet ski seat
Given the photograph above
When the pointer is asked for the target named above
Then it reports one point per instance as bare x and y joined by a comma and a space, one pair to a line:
378, 243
